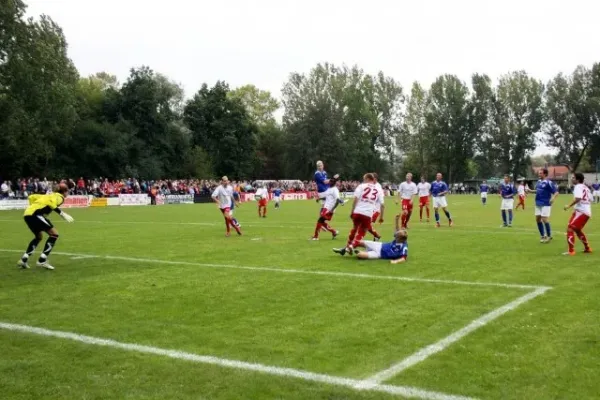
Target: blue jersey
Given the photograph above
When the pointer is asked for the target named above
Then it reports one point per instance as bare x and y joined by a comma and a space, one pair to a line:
596, 186
320, 178
484, 188
276, 192
236, 196
438, 187
507, 190
544, 190
394, 250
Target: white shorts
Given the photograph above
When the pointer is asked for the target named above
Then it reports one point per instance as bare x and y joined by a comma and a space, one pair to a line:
440, 202
484, 195
507, 204
277, 199
373, 249
543, 211
321, 195
596, 193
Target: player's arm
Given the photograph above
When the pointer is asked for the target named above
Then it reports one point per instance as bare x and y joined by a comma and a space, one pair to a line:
573, 203
397, 223
215, 196
381, 215
398, 260
55, 206
554, 195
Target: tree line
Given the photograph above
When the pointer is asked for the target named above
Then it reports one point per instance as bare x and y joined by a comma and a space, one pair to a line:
56, 123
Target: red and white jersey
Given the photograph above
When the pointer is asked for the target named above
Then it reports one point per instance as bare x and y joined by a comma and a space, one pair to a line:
262, 193
424, 189
583, 192
521, 190
380, 189
332, 195
224, 194
407, 190
368, 196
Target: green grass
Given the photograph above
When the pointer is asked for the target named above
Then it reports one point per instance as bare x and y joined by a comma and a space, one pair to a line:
339, 325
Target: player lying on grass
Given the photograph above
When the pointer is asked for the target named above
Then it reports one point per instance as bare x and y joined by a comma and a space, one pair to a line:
40, 205
395, 251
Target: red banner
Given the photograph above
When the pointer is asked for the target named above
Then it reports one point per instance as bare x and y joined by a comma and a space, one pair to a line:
284, 196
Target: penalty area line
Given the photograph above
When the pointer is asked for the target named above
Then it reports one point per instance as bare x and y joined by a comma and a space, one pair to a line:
354, 384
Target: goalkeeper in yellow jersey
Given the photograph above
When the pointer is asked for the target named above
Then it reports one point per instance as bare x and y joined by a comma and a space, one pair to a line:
35, 216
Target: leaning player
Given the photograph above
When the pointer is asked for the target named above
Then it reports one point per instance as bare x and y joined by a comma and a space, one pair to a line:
484, 189
277, 197
581, 214
223, 196
507, 194
332, 200
40, 205
424, 189
407, 191
366, 196
596, 191
522, 191
439, 189
395, 251
321, 181
545, 194
377, 213
262, 195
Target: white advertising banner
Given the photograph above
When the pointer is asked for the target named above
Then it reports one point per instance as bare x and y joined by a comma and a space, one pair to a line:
134, 199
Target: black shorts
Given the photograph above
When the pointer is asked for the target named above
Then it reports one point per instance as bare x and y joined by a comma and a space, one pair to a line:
38, 223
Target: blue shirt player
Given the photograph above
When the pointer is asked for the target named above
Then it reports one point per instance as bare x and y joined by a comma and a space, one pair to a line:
507, 193
596, 191
321, 180
484, 189
395, 251
439, 189
545, 194
234, 199
277, 197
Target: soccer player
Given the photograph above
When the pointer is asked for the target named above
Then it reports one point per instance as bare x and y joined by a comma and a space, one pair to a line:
407, 190
439, 189
395, 251
596, 191
522, 191
484, 189
545, 194
377, 210
332, 200
581, 214
424, 189
40, 205
507, 194
223, 196
277, 197
262, 195
321, 180
366, 196
235, 199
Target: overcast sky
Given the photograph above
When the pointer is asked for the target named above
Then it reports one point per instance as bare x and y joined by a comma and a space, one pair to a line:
262, 41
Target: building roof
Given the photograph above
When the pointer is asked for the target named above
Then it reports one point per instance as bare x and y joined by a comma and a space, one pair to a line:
555, 171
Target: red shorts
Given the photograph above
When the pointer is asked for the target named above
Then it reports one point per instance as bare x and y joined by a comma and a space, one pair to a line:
376, 215
407, 205
225, 210
423, 201
521, 198
361, 222
326, 214
262, 203
578, 221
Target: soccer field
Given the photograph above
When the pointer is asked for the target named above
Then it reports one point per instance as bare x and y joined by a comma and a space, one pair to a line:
156, 303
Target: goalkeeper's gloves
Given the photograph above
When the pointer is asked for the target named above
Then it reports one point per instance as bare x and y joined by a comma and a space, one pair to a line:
66, 217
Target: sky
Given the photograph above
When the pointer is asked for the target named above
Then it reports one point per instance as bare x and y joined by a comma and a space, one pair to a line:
263, 41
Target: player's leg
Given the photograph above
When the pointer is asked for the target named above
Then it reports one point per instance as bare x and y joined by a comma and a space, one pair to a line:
576, 224
420, 211
229, 222
372, 250
436, 214
546, 221
540, 223
38, 236
50, 244
408, 215
328, 227
363, 226
372, 230
265, 206
445, 208
427, 209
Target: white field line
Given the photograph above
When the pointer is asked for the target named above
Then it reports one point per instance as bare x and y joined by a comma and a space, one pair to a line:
296, 271
203, 359
454, 337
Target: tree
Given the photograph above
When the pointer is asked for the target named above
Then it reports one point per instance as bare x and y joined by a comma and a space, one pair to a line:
448, 122
222, 128
415, 134
259, 104
572, 123
520, 117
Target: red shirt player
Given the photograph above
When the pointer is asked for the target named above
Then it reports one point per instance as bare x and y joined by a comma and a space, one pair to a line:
583, 212
366, 196
406, 191
262, 195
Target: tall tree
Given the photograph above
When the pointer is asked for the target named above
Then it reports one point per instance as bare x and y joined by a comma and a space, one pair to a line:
259, 104
418, 155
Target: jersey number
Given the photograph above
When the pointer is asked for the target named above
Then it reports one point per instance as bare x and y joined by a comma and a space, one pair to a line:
373, 194
585, 196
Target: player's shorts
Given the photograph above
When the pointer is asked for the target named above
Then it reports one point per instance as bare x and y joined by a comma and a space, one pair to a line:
326, 214
373, 249
321, 195
440, 202
361, 222
38, 223
262, 202
226, 210
578, 220
507, 204
543, 211
407, 205
521, 198
376, 215
596, 193
423, 201
277, 199
484, 195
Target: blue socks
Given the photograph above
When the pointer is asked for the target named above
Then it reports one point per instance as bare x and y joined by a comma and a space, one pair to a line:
510, 217
484, 200
548, 230
448, 215
541, 228
437, 217
504, 217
